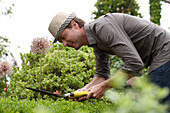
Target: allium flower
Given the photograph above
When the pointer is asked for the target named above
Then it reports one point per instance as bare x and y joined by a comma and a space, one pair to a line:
5, 67
40, 45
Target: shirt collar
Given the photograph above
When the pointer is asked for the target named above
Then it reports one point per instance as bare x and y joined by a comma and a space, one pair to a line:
89, 35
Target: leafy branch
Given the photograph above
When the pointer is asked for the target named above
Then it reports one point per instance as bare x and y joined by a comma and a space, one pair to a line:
167, 1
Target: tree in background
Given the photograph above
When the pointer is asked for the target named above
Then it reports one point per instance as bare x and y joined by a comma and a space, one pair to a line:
128, 7
155, 10
116, 6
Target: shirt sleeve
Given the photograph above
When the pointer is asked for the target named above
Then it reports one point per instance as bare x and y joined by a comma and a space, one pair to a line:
120, 44
102, 60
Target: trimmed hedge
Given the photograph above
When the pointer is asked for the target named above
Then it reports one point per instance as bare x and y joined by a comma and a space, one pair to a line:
51, 106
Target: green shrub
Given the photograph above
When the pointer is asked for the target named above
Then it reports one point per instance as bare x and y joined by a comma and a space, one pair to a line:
63, 69
51, 106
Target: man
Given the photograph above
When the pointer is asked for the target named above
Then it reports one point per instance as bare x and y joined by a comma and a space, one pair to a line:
137, 42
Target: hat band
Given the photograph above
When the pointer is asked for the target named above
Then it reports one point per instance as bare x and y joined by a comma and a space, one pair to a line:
64, 25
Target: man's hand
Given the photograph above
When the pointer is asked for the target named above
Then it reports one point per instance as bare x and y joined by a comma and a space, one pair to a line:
97, 91
95, 81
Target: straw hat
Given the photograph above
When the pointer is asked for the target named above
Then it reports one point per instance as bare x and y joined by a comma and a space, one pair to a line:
59, 23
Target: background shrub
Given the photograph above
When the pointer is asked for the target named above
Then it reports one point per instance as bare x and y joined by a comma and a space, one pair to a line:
64, 69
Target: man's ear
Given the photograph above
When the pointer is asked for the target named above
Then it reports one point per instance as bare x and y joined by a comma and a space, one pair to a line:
74, 24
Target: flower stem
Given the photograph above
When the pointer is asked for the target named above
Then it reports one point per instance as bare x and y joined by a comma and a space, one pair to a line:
40, 76
6, 86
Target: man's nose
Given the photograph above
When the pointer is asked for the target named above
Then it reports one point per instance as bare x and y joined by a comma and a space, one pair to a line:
64, 43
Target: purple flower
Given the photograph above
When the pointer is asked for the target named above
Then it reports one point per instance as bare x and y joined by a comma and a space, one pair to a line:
5, 67
40, 45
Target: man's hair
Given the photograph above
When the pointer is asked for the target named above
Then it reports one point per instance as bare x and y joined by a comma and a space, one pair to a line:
79, 21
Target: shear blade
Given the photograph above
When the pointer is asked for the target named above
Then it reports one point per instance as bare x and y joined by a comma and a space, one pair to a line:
45, 92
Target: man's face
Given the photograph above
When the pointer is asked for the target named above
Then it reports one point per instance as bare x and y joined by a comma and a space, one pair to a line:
72, 37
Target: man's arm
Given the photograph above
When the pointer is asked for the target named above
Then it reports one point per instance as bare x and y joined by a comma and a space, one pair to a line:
121, 45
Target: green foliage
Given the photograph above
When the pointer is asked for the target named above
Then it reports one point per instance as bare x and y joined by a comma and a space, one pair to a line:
116, 6
63, 69
50, 106
155, 11
2, 85
143, 98
166, 1
3, 47
115, 64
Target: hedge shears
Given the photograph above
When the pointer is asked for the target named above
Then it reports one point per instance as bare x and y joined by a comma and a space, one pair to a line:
73, 95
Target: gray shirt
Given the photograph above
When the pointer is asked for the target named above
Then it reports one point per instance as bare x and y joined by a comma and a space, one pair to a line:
139, 43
